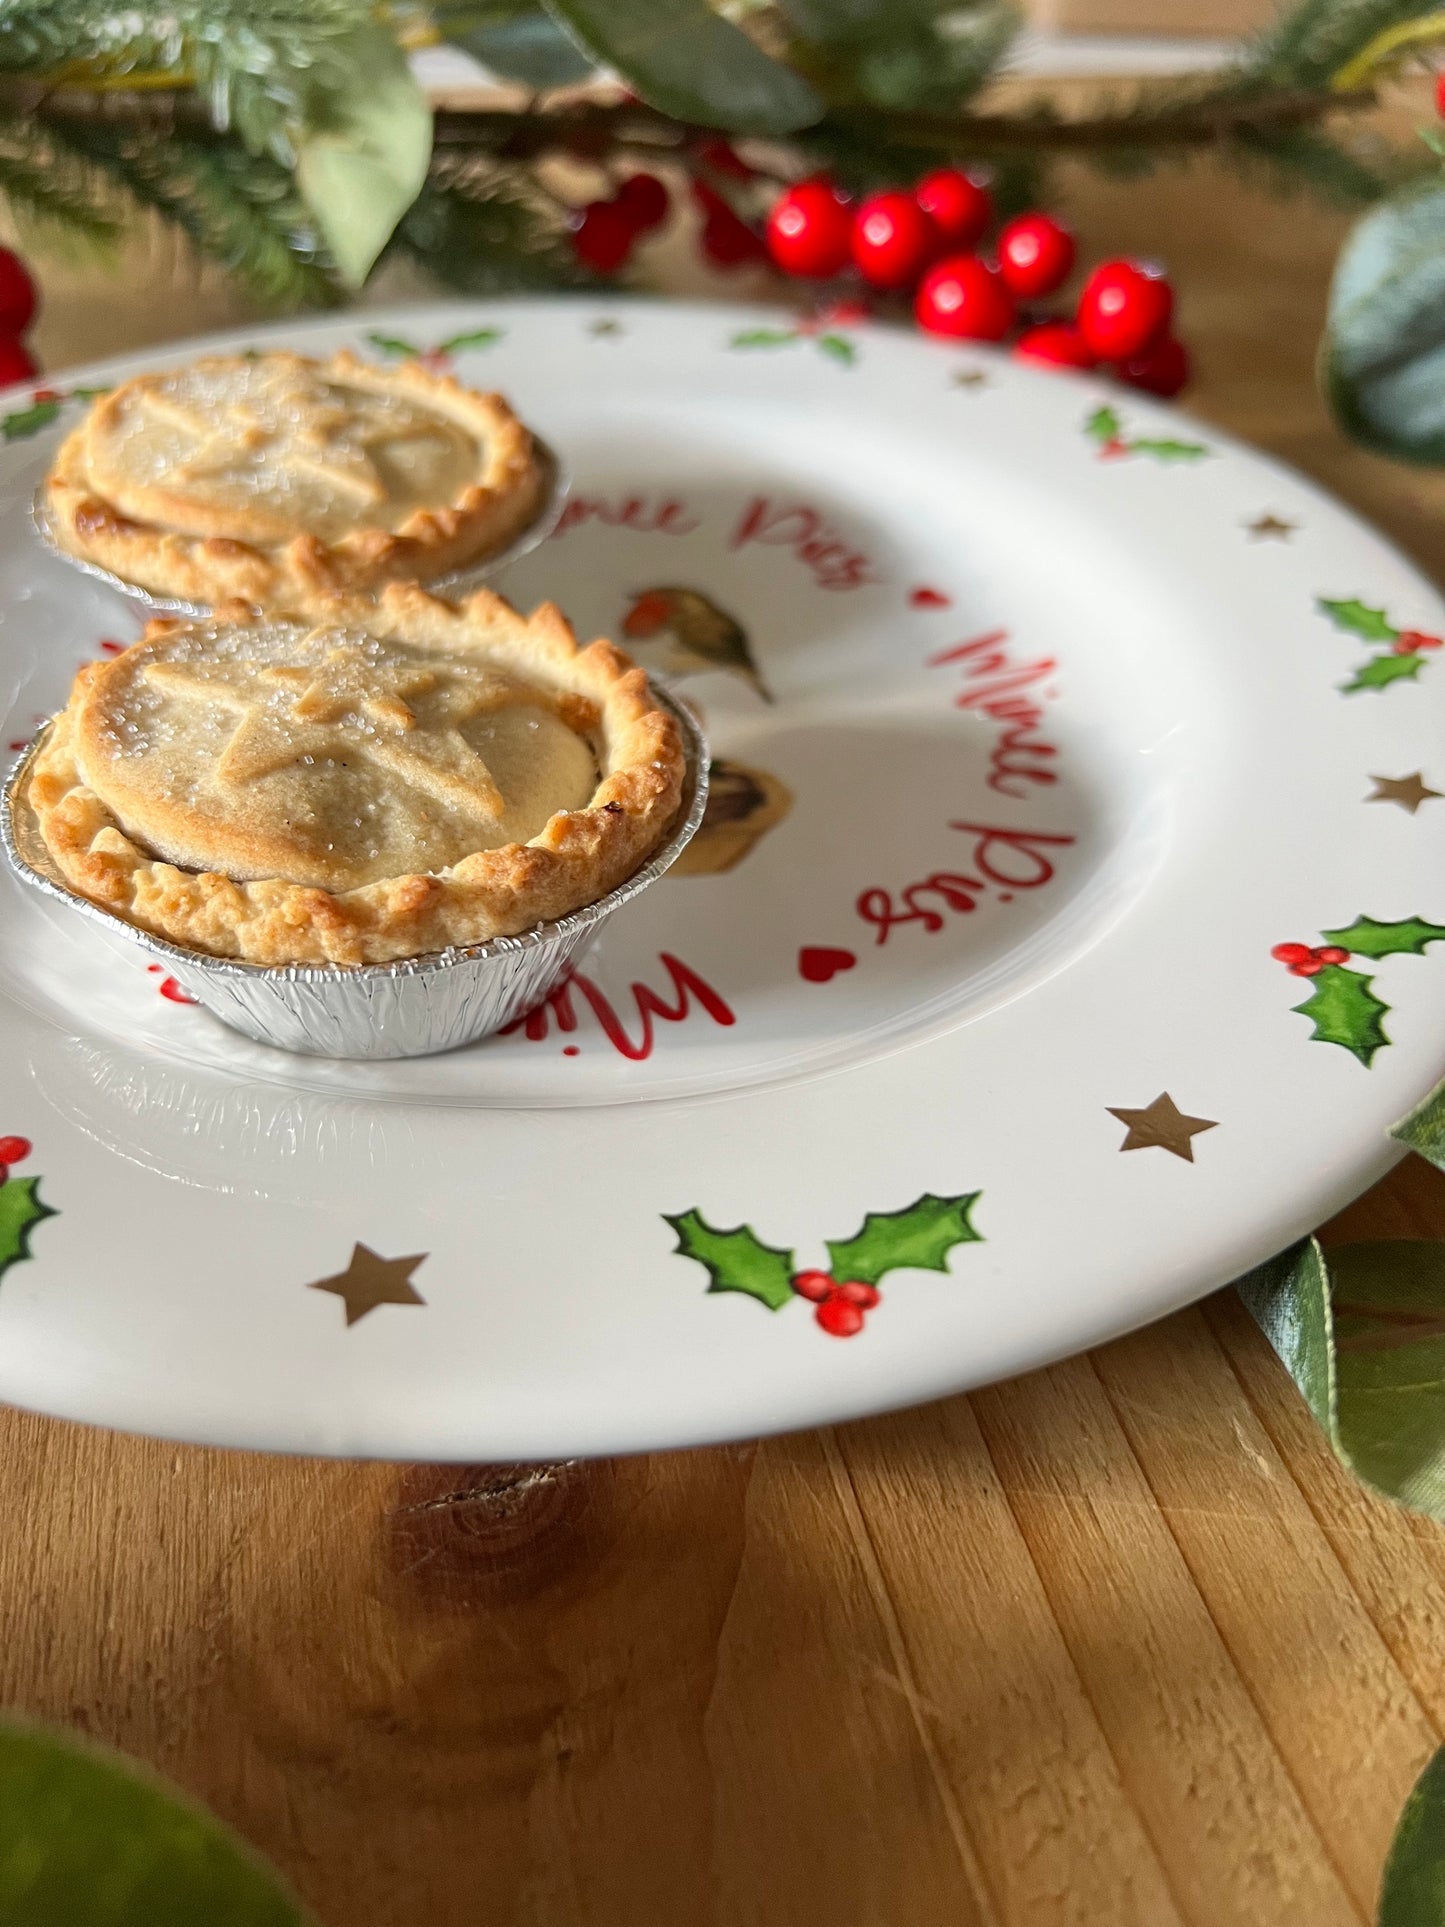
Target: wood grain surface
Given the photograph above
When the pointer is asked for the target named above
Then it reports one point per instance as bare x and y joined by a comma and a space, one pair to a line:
1114, 1645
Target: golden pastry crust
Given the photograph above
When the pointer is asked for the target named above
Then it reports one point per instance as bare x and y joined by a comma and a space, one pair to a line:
276, 478
87, 802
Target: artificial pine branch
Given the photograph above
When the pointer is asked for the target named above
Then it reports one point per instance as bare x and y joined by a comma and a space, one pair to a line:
1310, 44
484, 235
45, 192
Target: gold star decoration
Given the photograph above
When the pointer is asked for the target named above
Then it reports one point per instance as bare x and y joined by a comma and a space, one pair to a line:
969, 378
349, 706
1161, 1124
605, 327
1408, 791
1265, 528
370, 1280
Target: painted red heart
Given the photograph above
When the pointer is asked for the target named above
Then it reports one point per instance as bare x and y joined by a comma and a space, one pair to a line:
818, 965
930, 599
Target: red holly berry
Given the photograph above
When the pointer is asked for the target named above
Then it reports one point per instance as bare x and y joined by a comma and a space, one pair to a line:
1291, 953
959, 206
1440, 92
603, 236
1409, 641
1311, 967
14, 1150
962, 296
1035, 254
810, 230
644, 198
893, 240
865, 1297
16, 363
726, 239
1124, 307
723, 158
838, 1317
17, 294
1332, 954
1058, 344
1113, 447
814, 1284
1162, 368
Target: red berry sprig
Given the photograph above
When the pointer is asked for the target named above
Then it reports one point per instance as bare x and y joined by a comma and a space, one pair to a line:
18, 302
1303, 961
840, 1306
604, 233
13, 1150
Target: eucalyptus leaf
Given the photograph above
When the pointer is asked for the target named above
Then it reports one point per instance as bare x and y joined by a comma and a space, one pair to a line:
88, 1840
362, 158
1412, 1893
1383, 360
532, 48
684, 59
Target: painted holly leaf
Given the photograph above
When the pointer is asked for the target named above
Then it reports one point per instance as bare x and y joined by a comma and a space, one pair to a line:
393, 344
839, 347
29, 421
20, 1210
474, 338
736, 1260
1345, 1011
763, 338
1381, 670
1368, 937
1169, 451
90, 394
1104, 424
1358, 618
918, 1238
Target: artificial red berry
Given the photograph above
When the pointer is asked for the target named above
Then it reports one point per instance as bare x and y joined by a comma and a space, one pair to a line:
723, 158
1440, 92
1056, 343
1332, 954
810, 230
893, 240
16, 363
1124, 307
1162, 368
1410, 640
645, 199
959, 206
814, 1284
14, 1150
963, 296
17, 294
865, 1297
603, 236
726, 239
838, 1318
1035, 255
1291, 953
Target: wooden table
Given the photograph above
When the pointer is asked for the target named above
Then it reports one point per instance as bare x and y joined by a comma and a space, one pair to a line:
1116, 1645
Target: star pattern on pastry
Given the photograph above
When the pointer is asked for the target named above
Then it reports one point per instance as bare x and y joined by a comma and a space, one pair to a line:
1161, 1125
1408, 791
349, 707
1271, 528
285, 423
371, 1280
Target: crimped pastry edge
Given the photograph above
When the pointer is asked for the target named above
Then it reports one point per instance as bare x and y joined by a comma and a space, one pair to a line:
577, 858
216, 567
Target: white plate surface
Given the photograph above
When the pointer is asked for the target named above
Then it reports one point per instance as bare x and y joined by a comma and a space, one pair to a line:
1063, 724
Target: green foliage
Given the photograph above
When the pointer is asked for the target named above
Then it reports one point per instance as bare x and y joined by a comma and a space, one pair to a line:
905, 54
918, 1238
682, 57
1413, 1890
1383, 360
1309, 44
532, 47
736, 1260
1345, 1011
486, 237
87, 1841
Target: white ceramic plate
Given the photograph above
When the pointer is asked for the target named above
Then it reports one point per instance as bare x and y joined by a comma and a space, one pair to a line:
1062, 722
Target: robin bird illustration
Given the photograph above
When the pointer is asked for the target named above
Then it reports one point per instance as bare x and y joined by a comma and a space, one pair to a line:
697, 633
